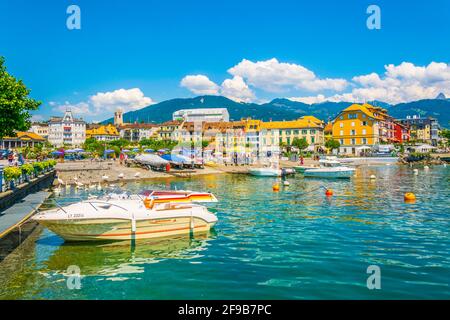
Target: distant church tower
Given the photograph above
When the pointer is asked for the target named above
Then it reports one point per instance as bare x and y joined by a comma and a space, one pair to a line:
118, 117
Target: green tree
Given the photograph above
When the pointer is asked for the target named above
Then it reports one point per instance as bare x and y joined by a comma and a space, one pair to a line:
301, 144
332, 144
15, 104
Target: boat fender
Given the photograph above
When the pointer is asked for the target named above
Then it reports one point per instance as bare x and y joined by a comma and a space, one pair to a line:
133, 224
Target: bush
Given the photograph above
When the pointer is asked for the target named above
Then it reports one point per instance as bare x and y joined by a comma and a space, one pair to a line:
38, 166
12, 173
27, 169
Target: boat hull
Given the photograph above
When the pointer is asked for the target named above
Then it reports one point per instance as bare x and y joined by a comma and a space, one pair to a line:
347, 174
265, 172
121, 229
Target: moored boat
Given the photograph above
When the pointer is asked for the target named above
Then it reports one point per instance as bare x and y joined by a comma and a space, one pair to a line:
330, 169
265, 172
128, 217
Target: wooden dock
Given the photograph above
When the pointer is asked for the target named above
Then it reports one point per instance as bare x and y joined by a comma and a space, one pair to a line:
21, 211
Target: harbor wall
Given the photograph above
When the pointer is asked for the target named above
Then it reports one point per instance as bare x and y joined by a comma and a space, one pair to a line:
8, 198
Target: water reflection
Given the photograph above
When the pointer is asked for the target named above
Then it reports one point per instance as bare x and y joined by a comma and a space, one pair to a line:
124, 257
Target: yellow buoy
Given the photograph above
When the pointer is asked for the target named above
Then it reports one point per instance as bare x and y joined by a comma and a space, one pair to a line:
276, 187
409, 196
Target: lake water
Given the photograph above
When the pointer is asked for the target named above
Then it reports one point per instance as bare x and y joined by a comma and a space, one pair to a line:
292, 244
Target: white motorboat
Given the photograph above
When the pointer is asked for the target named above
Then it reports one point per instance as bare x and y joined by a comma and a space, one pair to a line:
151, 160
329, 169
265, 172
127, 217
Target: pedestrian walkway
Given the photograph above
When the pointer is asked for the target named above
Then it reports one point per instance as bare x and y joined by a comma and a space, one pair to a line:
18, 213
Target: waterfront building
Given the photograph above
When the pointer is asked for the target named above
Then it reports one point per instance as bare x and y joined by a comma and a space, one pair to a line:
402, 132
202, 115
66, 130
40, 129
103, 133
22, 139
167, 129
423, 129
358, 126
137, 131
308, 127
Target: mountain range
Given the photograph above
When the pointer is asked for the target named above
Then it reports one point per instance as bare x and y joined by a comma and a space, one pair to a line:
284, 109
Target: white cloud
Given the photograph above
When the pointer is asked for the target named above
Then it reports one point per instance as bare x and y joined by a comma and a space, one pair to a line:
310, 100
274, 76
130, 99
105, 103
400, 83
200, 84
236, 89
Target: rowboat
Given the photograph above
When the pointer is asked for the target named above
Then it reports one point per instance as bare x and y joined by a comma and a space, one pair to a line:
265, 172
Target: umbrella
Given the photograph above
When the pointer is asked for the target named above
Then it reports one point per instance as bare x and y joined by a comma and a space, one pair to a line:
78, 150
125, 150
149, 150
57, 153
163, 150
70, 151
109, 151
136, 150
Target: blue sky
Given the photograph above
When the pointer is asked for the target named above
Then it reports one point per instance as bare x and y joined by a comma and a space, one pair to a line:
319, 47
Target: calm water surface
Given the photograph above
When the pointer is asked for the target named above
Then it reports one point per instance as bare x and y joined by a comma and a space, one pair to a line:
293, 244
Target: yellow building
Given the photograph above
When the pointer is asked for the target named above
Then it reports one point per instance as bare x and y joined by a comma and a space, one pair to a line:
356, 126
307, 127
103, 133
22, 139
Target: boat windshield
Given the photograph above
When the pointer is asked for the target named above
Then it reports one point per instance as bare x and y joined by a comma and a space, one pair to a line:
331, 164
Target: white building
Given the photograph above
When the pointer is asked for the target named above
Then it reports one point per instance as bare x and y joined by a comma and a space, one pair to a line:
205, 115
138, 131
66, 130
40, 129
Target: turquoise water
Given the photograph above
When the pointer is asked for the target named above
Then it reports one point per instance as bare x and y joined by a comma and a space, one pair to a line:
292, 244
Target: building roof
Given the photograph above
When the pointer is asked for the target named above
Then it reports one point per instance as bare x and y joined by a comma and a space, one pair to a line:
26, 136
137, 126
303, 122
366, 108
108, 130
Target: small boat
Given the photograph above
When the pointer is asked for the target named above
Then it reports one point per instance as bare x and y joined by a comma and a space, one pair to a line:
151, 160
129, 217
329, 169
265, 172
301, 169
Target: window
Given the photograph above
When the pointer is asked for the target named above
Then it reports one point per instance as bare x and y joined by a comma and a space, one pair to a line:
364, 131
296, 132
364, 116
353, 123
364, 140
312, 131
341, 132
352, 115
288, 132
341, 141
353, 141
353, 132
312, 139
304, 131
341, 125
341, 117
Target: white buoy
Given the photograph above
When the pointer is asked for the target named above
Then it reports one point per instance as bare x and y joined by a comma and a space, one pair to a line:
105, 177
137, 174
445, 165
416, 171
373, 177
426, 167
121, 175
286, 183
99, 186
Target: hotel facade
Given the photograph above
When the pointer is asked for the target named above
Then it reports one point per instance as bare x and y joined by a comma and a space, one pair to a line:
66, 130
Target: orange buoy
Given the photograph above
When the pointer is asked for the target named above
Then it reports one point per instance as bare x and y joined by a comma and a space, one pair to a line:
328, 192
276, 187
409, 196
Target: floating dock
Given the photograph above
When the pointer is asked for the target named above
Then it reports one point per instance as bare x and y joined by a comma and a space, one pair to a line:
17, 214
